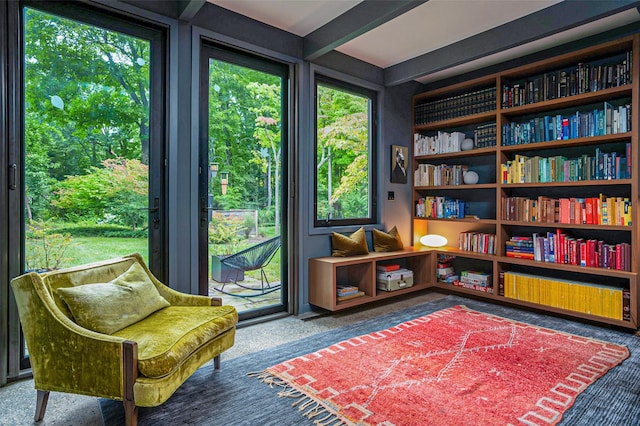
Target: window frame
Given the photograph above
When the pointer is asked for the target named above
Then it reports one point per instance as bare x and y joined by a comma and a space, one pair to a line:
374, 96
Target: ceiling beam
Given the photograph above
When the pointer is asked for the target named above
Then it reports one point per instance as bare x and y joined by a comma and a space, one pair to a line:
356, 21
546, 22
187, 9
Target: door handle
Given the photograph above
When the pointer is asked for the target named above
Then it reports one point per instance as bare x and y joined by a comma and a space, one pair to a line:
155, 210
13, 168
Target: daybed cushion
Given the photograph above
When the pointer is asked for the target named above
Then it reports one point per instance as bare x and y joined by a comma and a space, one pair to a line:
383, 241
167, 337
352, 245
109, 307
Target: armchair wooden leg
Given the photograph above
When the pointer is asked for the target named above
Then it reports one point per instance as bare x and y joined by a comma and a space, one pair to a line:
130, 360
216, 362
130, 413
41, 405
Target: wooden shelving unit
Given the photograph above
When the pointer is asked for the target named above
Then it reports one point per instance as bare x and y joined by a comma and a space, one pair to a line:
325, 273
485, 199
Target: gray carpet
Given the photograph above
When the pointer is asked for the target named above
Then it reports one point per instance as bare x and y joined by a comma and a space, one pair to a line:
229, 398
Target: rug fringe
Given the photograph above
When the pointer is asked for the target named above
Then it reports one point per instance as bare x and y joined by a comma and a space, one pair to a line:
302, 401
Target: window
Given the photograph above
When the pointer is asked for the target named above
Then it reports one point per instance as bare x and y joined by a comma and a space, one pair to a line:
345, 143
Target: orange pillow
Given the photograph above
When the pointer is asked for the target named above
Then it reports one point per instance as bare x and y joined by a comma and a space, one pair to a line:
354, 244
383, 241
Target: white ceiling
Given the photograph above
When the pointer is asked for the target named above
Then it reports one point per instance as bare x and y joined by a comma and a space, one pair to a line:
425, 28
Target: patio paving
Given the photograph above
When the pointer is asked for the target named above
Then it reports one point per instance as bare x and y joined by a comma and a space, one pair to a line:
238, 295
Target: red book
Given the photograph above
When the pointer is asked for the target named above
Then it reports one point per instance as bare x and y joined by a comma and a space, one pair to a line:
589, 210
591, 253
387, 268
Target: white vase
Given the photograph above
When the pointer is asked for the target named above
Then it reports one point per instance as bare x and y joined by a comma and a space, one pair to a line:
470, 178
466, 144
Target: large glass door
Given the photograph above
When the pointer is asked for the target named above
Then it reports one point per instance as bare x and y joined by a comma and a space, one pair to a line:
89, 145
243, 134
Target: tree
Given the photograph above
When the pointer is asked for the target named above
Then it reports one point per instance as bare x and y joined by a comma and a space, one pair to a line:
342, 153
268, 134
86, 100
118, 190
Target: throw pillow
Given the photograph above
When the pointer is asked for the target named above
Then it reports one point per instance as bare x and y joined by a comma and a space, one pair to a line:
354, 244
109, 307
383, 241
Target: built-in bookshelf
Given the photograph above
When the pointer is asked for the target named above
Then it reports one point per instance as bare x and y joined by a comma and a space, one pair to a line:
551, 217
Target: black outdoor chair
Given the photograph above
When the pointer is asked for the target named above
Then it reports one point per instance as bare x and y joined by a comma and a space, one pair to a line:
250, 259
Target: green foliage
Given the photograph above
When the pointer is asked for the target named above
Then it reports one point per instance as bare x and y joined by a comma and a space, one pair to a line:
85, 229
45, 249
225, 230
118, 192
342, 157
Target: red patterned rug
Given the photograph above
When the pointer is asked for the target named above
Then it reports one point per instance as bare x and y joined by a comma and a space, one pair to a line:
452, 367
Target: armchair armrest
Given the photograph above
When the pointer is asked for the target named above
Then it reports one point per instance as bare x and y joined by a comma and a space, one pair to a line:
64, 356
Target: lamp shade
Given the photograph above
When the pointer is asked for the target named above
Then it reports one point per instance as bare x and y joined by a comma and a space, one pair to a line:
433, 240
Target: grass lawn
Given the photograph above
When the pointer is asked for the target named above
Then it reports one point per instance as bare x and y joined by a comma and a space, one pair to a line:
92, 249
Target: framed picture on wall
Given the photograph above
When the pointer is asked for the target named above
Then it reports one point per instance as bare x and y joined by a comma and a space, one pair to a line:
399, 160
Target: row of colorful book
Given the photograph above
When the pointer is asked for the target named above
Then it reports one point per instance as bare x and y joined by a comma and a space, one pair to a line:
600, 210
441, 208
588, 298
478, 242
598, 122
558, 168
581, 78
561, 248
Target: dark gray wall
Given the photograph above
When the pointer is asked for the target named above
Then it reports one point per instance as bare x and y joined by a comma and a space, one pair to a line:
226, 27
222, 26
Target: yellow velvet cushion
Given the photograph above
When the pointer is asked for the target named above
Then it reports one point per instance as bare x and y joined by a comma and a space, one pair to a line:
168, 337
342, 245
390, 241
109, 307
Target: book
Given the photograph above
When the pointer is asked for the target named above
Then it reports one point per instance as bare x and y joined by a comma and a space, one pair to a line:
350, 296
387, 267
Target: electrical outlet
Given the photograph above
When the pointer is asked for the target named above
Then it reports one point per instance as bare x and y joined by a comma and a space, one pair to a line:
391, 196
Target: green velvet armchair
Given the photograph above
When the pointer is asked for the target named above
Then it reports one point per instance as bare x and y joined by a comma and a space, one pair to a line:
103, 330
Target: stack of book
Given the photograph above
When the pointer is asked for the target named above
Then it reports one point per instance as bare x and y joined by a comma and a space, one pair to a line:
476, 280
346, 292
444, 270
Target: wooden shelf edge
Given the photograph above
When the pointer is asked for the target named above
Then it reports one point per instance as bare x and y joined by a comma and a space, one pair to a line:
470, 153
480, 220
571, 268
456, 187
591, 140
458, 121
572, 183
566, 225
